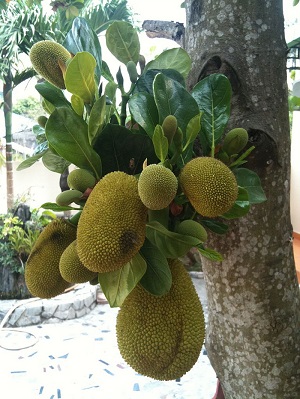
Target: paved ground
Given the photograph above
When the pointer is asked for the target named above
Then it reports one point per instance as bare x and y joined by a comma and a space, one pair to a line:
79, 359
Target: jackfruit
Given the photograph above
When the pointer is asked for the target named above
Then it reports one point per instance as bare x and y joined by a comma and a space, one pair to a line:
48, 58
42, 120
66, 198
209, 185
235, 141
192, 228
157, 186
72, 269
161, 336
169, 126
42, 275
132, 71
80, 179
112, 226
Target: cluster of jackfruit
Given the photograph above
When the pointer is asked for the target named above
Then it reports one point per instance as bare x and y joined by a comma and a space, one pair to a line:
162, 336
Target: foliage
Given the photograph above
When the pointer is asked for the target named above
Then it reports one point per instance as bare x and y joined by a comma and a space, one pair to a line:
28, 106
87, 128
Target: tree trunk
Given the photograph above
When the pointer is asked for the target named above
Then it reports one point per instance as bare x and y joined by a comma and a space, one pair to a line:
253, 334
7, 98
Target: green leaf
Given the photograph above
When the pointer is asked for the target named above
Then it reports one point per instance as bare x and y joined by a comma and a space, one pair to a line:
67, 133
251, 182
77, 104
215, 226
54, 162
57, 208
295, 2
123, 42
144, 111
173, 99
82, 38
210, 254
120, 149
30, 161
80, 76
118, 284
213, 96
160, 143
145, 81
192, 129
97, 118
158, 278
241, 159
52, 94
175, 58
241, 206
172, 245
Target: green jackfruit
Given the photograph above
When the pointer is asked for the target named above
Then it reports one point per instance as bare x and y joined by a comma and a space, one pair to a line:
192, 228
42, 120
235, 141
80, 179
161, 336
48, 58
132, 71
42, 275
157, 186
71, 268
209, 185
112, 226
66, 198
169, 126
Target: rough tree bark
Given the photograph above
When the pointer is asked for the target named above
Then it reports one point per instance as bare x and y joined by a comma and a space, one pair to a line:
253, 335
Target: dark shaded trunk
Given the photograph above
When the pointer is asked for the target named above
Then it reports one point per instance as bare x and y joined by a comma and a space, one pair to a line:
253, 338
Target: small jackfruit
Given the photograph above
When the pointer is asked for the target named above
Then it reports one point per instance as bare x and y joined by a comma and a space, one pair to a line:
132, 71
66, 198
112, 226
47, 58
42, 120
42, 275
169, 126
72, 269
161, 336
209, 185
235, 141
192, 228
80, 179
157, 186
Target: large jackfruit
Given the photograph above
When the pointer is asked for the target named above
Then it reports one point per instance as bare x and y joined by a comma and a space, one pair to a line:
161, 336
42, 275
157, 186
48, 58
112, 226
72, 269
209, 185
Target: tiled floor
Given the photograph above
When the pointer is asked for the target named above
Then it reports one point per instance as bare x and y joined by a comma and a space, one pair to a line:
296, 246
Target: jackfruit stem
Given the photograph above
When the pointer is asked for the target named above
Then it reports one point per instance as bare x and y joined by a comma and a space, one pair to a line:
75, 218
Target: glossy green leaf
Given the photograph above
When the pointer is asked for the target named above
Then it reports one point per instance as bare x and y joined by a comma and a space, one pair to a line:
172, 245
295, 2
52, 94
97, 118
192, 129
249, 180
118, 284
80, 76
145, 81
173, 99
215, 226
57, 208
210, 254
82, 38
120, 149
241, 206
160, 143
30, 161
144, 111
158, 278
67, 133
175, 58
77, 104
213, 96
123, 42
54, 162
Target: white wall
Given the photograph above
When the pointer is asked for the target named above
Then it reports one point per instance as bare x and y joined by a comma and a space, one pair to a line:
295, 173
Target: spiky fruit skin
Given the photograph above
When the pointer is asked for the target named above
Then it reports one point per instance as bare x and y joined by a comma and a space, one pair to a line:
235, 141
157, 186
209, 185
112, 226
42, 275
45, 57
192, 228
80, 179
72, 269
161, 336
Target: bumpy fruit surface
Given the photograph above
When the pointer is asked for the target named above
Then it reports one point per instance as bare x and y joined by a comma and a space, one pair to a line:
157, 186
72, 269
45, 57
209, 185
80, 179
235, 141
192, 228
161, 336
42, 275
112, 226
